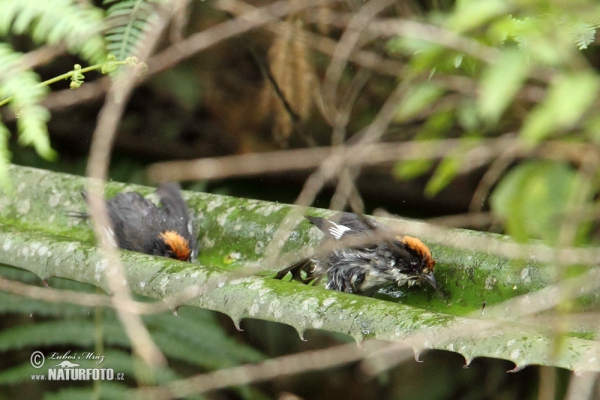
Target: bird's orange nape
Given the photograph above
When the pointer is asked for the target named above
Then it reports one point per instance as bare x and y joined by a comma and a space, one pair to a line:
179, 246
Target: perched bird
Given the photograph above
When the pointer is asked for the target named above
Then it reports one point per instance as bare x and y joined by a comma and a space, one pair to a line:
139, 225
365, 267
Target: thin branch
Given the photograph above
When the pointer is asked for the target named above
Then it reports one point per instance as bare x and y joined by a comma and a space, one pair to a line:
97, 169
342, 117
213, 35
472, 220
345, 47
281, 366
489, 179
347, 192
581, 386
97, 300
43, 55
362, 154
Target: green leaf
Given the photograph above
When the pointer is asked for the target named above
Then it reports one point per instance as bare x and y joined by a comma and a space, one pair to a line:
532, 198
583, 33
26, 93
468, 116
443, 175
418, 98
470, 14
409, 169
437, 126
77, 24
132, 19
569, 97
500, 82
408, 45
592, 128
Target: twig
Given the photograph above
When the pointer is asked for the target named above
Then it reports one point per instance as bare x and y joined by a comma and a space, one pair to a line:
43, 55
362, 154
473, 220
173, 55
347, 192
346, 46
491, 176
281, 366
581, 386
98, 300
100, 150
343, 114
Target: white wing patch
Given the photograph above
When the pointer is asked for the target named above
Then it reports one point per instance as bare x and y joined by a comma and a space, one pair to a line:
336, 230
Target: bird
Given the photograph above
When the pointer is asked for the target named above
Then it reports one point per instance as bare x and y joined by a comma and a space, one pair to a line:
137, 224
363, 268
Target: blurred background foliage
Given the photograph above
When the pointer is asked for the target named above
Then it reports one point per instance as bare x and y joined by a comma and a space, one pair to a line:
516, 82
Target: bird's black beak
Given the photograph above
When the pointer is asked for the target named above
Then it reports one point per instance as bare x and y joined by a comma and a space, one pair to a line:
429, 278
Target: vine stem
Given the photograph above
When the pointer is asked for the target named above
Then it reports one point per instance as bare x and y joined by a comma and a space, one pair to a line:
66, 76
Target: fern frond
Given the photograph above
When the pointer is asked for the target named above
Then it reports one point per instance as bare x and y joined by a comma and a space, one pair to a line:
13, 304
191, 346
130, 20
23, 86
76, 23
72, 332
583, 33
203, 334
16, 374
521, 31
109, 390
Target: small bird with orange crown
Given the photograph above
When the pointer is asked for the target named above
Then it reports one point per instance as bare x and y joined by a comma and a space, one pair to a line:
137, 224
366, 267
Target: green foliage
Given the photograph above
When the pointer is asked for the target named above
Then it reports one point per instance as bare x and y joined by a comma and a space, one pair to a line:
534, 199
76, 23
128, 21
23, 86
529, 32
80, 26
108, 391
569, 97
77, 78
583, 33
500, 82
444, 173
470, 14
509, 67
195, 338
411, 168
418, 98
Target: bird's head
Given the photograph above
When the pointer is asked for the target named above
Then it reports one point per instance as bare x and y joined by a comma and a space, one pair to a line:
175, 246
421, 263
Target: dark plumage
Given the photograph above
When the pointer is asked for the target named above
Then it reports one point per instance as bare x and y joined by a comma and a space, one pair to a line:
364, 268
139, 225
